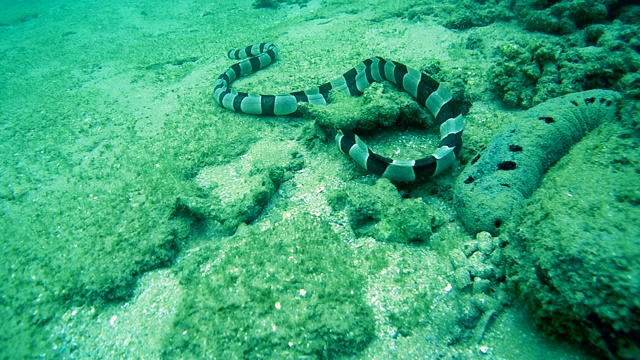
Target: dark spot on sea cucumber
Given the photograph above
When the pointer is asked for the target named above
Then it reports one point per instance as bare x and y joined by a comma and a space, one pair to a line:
608, 103
515, 148
546, 119
588, 101
497, 223
507, 165
469, 180
574, 103
475, 159
505, 185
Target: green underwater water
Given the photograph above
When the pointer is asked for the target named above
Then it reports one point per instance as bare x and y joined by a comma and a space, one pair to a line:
139, 219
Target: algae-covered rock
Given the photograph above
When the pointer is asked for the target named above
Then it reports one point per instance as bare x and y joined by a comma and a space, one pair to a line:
379, 106
526, 75
578, 45
494, 186
554, 17
378, 211
576, 255
534, 69
562, 17
286, 292
237, 192
461, 15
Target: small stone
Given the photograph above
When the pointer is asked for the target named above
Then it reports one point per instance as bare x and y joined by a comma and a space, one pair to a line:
485, 302
476, 258
485, 241
470, 247
478, 266
481, 286
461, 278
469, 314
496, 257
482, 270
501, 295
458, 259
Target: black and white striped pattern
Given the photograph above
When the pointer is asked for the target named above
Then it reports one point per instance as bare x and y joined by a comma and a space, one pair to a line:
421, 86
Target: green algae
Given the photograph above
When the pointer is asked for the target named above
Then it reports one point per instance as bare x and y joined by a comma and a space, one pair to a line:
285, 292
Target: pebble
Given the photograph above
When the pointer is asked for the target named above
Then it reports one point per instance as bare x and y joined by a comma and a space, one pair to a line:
485, 302
461, 278
481, 286
470, 247
486, 244
458, 259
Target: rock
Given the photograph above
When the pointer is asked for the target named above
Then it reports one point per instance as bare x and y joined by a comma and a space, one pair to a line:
379, 212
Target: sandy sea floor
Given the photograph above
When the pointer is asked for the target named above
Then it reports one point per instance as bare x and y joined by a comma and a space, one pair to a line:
108, 128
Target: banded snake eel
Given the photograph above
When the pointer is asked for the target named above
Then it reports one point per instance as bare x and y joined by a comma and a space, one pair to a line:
427, 91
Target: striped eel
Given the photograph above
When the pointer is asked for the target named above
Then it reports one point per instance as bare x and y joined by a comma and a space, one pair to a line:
421, 86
